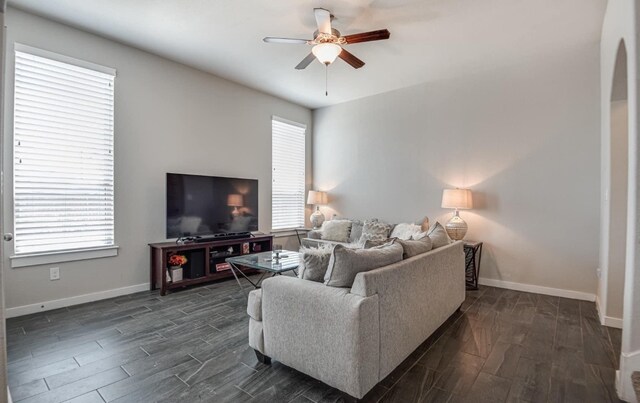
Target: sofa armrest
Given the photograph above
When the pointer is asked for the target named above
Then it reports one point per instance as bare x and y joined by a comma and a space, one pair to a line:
314, 234
325, 332
416, 296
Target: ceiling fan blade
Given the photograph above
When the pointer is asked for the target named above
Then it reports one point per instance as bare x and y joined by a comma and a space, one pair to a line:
323, 18
351, 59
270, 39
368, 36
305, 62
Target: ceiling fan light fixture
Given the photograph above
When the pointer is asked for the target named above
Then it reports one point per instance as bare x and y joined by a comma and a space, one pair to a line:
326, 53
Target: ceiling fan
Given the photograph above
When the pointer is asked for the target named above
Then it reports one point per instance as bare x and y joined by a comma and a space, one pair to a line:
327, 42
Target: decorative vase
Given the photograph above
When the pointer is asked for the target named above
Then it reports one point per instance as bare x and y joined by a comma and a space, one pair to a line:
456, 227
176, 273
317, 218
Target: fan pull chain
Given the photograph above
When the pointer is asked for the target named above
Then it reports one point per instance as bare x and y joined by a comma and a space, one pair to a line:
326, 80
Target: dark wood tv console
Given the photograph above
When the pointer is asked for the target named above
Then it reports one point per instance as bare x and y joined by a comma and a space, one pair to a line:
205, 260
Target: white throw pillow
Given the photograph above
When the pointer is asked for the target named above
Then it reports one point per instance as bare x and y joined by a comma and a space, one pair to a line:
405, 231
336, 230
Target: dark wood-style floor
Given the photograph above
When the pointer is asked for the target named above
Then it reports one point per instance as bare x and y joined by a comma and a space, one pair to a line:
191, 346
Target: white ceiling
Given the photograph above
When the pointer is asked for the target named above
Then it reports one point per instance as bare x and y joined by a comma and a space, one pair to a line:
430, 39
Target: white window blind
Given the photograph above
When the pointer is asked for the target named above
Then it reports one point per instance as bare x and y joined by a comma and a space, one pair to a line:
288, 180
63, 154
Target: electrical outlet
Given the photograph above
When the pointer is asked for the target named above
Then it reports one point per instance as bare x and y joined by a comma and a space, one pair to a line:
54, 273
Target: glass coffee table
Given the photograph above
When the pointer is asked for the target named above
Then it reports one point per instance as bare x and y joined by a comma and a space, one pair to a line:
267, 262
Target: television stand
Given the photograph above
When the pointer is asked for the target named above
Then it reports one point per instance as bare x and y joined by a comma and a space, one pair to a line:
205, 260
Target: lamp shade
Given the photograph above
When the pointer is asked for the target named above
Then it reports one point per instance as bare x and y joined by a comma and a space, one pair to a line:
326, 53
234, 200
457, 198
316, 197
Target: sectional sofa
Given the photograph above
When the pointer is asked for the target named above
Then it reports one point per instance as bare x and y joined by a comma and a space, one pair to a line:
352, 338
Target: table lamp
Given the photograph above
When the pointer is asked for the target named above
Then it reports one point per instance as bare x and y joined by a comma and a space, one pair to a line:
235, 201
456, 199
317, 198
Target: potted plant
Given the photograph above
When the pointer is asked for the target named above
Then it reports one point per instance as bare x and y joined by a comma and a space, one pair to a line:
175, 267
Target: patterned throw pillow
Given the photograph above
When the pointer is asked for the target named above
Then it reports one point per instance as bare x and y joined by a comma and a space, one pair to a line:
374, 230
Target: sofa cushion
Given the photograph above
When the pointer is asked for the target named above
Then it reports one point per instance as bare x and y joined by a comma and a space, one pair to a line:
438, 235
254, 304
256, 335
405, 230
345, 263
336, 230
368, 244
413, 247
374, 230
314, 262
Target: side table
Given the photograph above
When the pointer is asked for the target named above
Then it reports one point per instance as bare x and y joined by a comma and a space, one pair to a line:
472, 257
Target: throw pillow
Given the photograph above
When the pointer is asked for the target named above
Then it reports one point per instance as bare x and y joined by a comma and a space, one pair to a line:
424, 223
345, 263
438, 235
356, 231
336, 230
412, 247
374, 231
405, 231
314, 262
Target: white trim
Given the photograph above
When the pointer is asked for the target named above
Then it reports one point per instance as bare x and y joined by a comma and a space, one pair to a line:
78, 299
612, 322
289, 122
36, 259
607, 320
628, 364
556, 292
18, 47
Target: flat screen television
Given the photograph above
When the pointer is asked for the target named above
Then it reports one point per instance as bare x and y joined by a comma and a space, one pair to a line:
206, 205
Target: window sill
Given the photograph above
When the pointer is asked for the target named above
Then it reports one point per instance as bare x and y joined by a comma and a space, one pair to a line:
35, 259
278, 233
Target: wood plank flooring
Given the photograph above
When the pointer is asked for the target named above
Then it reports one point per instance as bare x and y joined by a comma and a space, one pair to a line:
191, 346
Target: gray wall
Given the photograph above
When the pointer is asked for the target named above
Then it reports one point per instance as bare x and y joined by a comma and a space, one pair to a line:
524, 137
168, 118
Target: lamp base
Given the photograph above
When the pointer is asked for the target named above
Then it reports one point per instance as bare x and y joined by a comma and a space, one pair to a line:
456, 227
317, 218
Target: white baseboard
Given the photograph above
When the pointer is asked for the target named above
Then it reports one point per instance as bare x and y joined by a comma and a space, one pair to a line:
78, 299
556, 292
607, 320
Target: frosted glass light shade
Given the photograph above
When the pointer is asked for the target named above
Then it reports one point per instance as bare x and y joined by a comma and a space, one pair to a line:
317, 197
457, 199
326, 53
234, 200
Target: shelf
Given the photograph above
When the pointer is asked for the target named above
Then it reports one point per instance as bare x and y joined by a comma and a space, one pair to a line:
161, 251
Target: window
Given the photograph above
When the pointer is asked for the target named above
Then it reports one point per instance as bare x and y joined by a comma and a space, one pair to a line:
288, 180
63, 153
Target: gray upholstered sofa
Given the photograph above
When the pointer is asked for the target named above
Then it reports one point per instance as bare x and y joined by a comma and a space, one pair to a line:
353, 338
